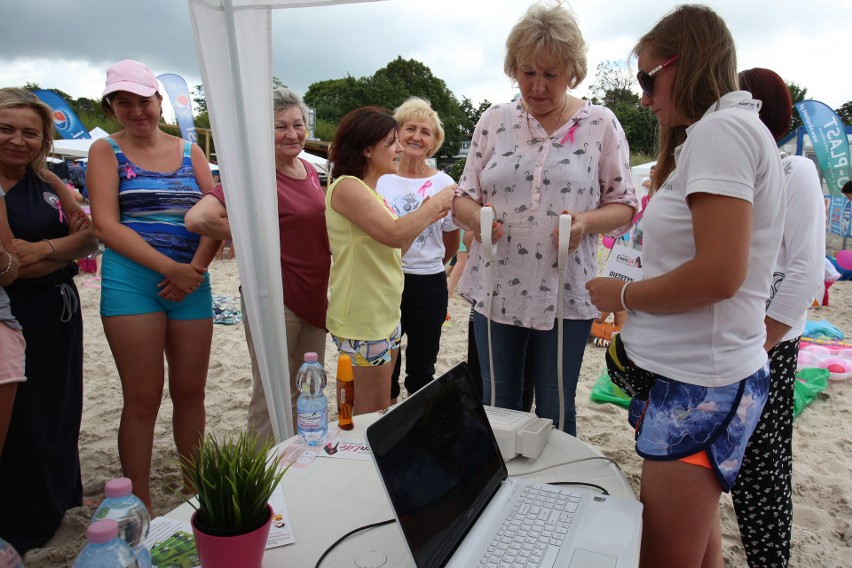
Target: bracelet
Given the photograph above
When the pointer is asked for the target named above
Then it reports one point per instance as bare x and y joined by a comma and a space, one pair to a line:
53, 246
8, 264
623, 290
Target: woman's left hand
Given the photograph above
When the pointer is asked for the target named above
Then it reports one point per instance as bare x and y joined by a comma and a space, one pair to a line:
30, 253
605, 293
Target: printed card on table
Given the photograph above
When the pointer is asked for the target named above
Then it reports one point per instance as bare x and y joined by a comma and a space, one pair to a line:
624, 263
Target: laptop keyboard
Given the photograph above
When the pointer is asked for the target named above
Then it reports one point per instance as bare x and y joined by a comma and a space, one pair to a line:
534, 530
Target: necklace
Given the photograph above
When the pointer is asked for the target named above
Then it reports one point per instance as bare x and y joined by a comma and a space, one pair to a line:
536, 140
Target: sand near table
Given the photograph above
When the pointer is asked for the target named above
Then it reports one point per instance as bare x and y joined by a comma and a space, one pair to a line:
822, 437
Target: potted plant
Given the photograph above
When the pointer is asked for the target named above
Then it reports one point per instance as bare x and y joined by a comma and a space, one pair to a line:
234, 480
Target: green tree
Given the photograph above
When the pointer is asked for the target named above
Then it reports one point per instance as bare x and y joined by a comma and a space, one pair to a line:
472, 115
199, 99
797, 93
613, 88
845, 113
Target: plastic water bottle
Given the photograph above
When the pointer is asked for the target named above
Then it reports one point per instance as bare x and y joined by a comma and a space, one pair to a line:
105, 549
312, 404
131, 515
9, 557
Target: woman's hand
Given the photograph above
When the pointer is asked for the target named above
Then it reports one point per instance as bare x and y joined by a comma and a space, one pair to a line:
496, 226
605, 293
30, 253
181, 279
578, 231
77, 221
441, 201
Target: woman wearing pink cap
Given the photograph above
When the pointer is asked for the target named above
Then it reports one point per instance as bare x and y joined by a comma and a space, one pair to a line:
155, 292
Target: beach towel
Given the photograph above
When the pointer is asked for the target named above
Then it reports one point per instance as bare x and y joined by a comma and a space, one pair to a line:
226, 310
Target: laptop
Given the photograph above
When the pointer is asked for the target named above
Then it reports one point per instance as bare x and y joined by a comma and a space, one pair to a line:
455, 503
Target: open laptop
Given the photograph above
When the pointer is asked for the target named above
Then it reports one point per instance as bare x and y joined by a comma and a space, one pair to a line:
451, 494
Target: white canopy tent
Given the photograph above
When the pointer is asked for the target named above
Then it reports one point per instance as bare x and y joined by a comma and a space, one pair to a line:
234, 43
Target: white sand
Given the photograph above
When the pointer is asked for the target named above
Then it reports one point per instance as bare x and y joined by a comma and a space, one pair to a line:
822, 440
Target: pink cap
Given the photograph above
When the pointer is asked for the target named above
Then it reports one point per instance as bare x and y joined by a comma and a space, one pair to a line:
118, 487
131, 76
311, 357
102, 531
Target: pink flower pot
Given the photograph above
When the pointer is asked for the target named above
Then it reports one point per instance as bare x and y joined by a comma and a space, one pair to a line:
244, 550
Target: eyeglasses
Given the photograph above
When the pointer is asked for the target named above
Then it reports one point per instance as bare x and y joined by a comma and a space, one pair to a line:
646, 78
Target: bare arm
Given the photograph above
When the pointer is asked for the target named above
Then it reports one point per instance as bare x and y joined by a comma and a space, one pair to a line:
7, 252
353, 201
721, 229
466, 213
451, 244
209, 217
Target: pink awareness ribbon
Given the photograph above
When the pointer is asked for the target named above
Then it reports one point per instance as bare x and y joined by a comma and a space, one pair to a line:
424, 187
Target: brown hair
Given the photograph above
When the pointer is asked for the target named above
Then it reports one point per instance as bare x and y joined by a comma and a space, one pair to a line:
706, 69
550, 29
776, 109
12, 97
358, 130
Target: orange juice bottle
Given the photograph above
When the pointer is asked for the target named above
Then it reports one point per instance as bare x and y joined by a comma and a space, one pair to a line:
345, 393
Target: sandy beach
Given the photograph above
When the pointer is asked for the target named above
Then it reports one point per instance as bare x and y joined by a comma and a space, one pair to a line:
822, 438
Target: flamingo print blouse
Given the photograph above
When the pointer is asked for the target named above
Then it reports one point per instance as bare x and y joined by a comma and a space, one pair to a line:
583, 165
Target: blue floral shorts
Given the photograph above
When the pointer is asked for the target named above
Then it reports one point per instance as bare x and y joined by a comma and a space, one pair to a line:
680, 419
369, 353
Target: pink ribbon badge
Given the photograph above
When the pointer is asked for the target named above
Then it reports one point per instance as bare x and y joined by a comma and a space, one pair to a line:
128, 170
424, 187
570, 134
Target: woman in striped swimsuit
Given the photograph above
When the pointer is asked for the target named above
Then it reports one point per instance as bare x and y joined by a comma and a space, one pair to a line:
155, 290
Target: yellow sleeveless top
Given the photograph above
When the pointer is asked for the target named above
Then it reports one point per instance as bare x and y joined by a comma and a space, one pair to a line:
366, 277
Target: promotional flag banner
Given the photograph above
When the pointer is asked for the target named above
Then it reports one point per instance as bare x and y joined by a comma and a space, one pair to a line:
828, 135
178, 94
65, 119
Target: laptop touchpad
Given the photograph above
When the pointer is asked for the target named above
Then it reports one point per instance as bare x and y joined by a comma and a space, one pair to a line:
588, 559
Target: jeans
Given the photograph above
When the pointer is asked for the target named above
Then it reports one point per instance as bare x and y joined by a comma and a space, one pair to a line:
423, 312
512, 344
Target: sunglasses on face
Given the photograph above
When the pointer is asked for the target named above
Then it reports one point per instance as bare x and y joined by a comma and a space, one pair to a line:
646, 78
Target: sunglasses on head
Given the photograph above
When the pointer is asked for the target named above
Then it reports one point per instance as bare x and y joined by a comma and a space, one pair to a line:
646, 78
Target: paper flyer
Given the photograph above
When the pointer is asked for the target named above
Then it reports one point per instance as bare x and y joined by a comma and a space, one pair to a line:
624, 263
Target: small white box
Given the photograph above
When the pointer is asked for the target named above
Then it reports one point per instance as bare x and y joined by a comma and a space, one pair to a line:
518, 432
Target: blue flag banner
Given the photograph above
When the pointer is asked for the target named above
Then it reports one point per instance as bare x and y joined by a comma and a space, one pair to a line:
828, 135
65, 119
839, 216
179, 97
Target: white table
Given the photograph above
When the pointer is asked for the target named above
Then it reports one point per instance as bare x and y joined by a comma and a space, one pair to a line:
331, 497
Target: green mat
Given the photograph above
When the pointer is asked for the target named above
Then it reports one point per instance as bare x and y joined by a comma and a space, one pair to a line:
809, 383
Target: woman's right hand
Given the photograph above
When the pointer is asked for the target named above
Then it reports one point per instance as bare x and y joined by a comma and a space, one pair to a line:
441, 201
183, 277
496, 226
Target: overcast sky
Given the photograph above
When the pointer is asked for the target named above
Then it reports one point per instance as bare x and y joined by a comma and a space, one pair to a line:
68, 45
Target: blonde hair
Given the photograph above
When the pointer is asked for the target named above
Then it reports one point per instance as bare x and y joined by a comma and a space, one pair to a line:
706, 69
13, 97
416, 108
550, 29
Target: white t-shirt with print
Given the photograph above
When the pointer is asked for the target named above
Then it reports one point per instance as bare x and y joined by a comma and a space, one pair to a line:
728, 152
404, 195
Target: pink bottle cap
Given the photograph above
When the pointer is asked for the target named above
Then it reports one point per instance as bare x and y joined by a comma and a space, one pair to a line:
118, 487
102, 531
311, 357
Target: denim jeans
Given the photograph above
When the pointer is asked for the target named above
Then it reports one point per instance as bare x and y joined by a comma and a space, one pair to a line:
512, 344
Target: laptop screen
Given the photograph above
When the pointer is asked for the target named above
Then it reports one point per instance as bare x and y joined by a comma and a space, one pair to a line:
439, 462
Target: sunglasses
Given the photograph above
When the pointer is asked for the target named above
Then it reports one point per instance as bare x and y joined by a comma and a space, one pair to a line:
646, 78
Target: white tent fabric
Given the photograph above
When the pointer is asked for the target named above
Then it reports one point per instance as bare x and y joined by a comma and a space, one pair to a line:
79, 147
234, 44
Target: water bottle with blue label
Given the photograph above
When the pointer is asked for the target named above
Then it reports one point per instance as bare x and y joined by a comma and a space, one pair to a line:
105, 549
312, 404
131, 515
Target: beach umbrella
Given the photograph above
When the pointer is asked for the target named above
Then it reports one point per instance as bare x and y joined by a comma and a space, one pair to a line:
233, 39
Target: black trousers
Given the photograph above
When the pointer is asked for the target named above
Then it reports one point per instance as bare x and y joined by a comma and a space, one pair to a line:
763, 493
424, 310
